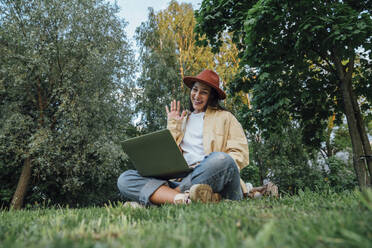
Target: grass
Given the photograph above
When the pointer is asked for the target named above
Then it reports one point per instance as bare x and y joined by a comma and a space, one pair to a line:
306, 220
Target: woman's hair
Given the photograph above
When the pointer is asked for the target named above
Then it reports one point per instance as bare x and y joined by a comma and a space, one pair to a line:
213, 101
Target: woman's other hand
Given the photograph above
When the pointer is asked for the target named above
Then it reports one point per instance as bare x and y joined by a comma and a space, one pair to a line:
174, 112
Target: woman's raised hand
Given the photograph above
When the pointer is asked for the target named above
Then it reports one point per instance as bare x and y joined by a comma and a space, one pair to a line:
174, 112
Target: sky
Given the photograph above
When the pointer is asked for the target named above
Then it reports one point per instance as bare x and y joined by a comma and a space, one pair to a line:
135, 11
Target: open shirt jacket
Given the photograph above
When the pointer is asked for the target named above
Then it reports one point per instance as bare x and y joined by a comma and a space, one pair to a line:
221, 133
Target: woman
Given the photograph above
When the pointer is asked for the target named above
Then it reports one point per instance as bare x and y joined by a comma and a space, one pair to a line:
211, 140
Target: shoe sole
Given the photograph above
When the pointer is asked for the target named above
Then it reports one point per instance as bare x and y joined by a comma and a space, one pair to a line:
203, 193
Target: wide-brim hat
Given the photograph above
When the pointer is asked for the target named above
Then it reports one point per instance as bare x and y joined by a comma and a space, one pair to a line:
207, 77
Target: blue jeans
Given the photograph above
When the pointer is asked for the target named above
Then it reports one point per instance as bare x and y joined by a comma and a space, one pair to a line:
217, 169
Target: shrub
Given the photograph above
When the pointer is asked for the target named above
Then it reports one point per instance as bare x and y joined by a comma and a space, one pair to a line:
65, 75
341, 176
251, 174
286, 161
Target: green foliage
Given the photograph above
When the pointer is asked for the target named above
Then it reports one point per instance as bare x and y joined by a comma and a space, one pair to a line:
65, 72
309, 219
289, 51
341, 140
366, 198
303, 61
251, 174
287, 161
168, 52
160, 79
341, 175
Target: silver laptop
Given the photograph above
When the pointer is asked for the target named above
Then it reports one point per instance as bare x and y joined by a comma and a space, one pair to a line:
156, 155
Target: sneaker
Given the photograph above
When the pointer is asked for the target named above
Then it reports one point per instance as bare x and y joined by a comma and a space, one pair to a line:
256, 192
182, 198
271, 190
216, 197
203, 193
133, 204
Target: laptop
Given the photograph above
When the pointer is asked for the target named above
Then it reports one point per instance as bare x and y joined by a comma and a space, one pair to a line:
156, 155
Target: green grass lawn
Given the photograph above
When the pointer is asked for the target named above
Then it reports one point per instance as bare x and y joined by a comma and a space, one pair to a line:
306, 220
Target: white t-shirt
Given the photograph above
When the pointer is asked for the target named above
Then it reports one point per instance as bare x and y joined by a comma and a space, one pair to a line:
192, 142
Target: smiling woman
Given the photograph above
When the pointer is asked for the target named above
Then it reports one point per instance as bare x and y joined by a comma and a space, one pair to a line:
212, 142
199, 97
209, 81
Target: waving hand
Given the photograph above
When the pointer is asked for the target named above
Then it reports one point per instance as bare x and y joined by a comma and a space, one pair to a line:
174, 112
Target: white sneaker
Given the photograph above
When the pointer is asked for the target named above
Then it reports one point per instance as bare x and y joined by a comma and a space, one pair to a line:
182, 198
249, 187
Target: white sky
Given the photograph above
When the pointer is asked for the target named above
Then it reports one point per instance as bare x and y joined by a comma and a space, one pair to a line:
135, 11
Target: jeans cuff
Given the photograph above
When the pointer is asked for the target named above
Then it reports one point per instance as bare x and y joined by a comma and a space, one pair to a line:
149, 189
185, 183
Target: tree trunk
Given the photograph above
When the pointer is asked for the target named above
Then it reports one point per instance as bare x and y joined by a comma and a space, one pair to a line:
356, 141
40, 102
181, 66
248, 101
365, 141
328, 138
352, 110
257, 138
23, 181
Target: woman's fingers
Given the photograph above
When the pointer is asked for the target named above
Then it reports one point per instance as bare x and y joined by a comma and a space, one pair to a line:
175, 108
183, 114
173, 105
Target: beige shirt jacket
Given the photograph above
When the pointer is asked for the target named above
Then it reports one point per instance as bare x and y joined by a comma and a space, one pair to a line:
221, 133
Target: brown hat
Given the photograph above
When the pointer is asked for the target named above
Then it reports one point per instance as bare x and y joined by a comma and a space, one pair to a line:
207, 77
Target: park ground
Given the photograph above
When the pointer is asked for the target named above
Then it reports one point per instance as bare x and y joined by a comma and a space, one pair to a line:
308, 219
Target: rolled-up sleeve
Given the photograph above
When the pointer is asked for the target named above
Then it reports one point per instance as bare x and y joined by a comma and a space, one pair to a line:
175, 127
237, 144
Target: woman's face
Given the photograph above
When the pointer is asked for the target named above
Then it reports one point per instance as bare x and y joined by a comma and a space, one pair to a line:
199, 96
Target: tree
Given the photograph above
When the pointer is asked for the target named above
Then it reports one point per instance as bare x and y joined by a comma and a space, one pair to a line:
311, 59
176, 23
159, 80
65, 70
168, 52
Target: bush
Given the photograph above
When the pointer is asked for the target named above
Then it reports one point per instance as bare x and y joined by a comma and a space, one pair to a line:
65, 103
341, 176
251, 174
286, 161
